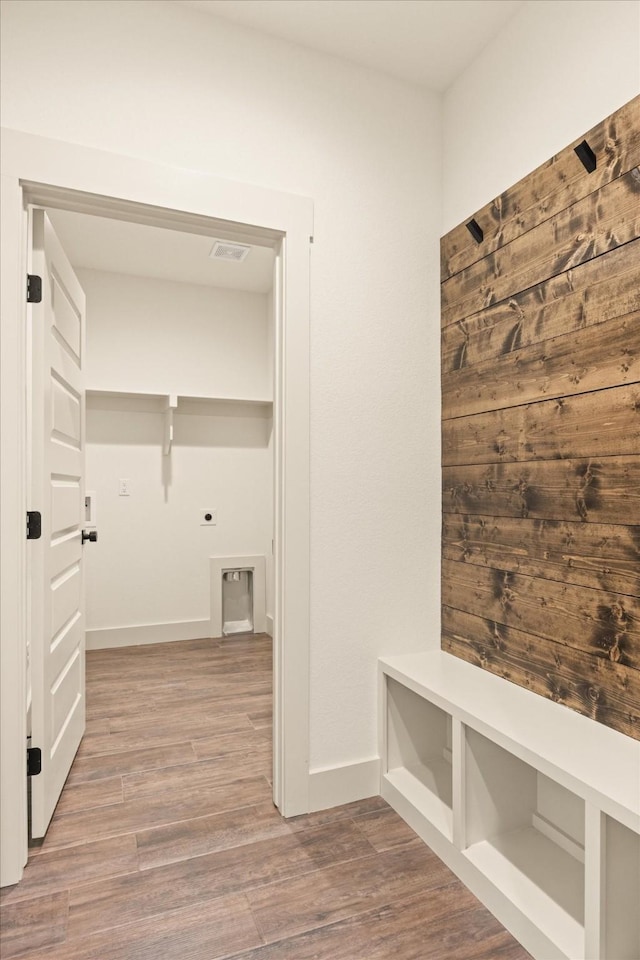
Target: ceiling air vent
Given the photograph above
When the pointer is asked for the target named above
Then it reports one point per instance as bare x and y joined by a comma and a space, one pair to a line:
231, 252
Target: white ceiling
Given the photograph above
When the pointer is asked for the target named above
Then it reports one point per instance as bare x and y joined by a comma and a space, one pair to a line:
144, 251
428, 42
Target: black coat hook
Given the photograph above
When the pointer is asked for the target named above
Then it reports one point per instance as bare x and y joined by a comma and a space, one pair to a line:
586, 156
475, 230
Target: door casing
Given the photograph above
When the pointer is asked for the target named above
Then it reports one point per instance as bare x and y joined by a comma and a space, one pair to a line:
56, 174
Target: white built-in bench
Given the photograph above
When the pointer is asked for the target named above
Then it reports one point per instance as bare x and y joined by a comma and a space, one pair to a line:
535, 807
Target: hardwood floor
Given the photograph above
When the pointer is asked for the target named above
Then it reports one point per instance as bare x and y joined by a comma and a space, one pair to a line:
165, 844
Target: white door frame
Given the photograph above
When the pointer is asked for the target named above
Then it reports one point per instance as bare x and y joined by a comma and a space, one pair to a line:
53, 172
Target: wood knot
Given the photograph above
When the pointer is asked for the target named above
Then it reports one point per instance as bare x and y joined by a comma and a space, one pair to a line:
618, 614
523, 494
615, 654
587, 479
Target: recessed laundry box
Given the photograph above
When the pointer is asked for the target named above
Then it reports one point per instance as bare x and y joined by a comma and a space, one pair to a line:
237, 602
238, 595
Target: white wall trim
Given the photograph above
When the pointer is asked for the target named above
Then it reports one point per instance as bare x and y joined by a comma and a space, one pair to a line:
70, 176
268, 625
13, 545
332, 786
217, 566
101, 638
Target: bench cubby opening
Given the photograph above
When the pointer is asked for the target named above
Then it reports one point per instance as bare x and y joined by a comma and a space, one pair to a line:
621, 892
526, 834
419, 754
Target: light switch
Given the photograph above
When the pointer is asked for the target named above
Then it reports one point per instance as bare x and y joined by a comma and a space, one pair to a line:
124, 488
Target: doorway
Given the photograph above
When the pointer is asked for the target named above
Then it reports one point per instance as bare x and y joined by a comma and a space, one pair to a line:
179, 398
177, 440
57, 176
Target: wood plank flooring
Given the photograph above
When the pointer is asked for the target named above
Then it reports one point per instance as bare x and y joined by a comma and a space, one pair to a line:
165, 844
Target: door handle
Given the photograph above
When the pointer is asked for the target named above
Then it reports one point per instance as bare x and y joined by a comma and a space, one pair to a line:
90, 535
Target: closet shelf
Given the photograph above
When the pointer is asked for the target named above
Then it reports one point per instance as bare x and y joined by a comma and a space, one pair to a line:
170, 404
156, 401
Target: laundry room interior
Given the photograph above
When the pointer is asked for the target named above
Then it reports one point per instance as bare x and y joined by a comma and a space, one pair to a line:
179, 426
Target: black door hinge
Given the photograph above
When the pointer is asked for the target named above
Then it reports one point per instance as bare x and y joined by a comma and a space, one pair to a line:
34, 524
34, 761
34, 288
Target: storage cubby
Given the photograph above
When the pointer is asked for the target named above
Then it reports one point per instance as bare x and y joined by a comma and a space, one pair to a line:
523, 851
419, 754
489, 777
621, 892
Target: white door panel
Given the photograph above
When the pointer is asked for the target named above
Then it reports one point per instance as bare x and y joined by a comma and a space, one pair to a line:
58, 630
66, 414
66, 550
64, 642
65, 366
66, 508
66, 590
67, 317
64, 693
66, 462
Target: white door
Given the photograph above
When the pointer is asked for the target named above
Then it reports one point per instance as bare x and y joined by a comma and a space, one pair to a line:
57, 491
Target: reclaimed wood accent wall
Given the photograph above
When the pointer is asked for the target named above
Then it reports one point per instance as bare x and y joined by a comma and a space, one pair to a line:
541, 430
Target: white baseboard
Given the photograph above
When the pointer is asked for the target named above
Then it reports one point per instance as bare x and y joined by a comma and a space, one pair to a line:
269, 624
147, 633
334, 786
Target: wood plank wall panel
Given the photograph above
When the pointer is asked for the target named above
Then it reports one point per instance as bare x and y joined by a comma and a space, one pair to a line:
599, 688
599, 424
553, 187
541, 431
601, 222
602, 289
603, 556
604, 491
590, 359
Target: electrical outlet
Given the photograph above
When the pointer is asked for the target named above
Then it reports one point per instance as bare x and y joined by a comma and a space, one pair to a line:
208, 517
124, 488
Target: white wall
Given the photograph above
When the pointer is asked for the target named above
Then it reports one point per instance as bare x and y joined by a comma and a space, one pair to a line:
160, 81
556, 69
160, 336
151, 562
